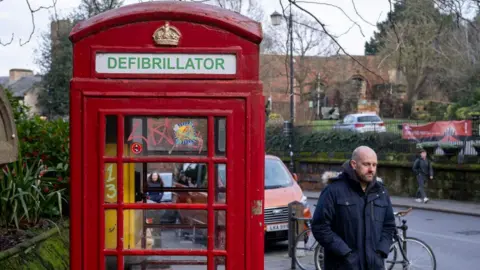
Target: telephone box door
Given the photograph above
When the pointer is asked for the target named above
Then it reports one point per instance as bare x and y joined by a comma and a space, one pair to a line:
166, 181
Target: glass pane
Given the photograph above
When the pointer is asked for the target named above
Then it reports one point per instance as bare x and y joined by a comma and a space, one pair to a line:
166, 262
111, 135
110, 195
166, 229
166, 182
111, 262
153, 136
110, 229
221, 184
276, 174
220, 230
220, 135
220, 263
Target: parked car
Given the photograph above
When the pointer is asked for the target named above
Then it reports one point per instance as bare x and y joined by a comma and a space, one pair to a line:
361, 122
281, 188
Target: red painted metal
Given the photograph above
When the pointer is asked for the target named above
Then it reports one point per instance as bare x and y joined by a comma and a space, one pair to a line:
169, 252
206, 15
101, 152
256, 170
238, 98
120, 200
76, 161
211, 191
165, 159
166, 206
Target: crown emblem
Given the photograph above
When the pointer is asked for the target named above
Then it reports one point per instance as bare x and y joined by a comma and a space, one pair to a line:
167, 35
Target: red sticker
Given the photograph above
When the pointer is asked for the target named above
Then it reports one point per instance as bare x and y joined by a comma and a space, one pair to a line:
136, 148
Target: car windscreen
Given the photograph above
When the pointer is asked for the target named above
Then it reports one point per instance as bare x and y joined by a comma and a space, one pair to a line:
369, 118
276, 175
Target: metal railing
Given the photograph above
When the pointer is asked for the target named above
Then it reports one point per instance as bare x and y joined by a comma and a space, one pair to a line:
321, 135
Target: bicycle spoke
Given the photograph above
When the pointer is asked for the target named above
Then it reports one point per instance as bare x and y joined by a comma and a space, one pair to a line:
419, 255
304, 250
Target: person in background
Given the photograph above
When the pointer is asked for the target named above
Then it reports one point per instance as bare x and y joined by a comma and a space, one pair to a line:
423, 170
354, 220
155, 181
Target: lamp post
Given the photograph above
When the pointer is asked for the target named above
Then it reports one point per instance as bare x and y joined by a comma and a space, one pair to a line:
288, 125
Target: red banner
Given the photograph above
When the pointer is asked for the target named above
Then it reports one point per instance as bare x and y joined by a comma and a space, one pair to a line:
447, 130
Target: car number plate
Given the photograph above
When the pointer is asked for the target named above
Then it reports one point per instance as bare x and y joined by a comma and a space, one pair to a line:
277, 227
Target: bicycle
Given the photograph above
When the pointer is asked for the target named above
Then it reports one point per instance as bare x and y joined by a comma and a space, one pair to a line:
307, 253
415, 246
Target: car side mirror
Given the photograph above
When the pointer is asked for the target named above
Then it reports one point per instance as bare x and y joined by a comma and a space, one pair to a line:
295, 177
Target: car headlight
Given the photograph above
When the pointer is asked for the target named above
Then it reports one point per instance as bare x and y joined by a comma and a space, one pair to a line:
304, 201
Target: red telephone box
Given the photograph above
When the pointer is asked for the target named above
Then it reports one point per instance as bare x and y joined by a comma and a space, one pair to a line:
167, 139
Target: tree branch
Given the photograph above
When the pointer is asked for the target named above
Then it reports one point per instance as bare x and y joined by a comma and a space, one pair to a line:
396, 34
9, 42
32, 15
346, 32
334, 40
358, 14
334, 6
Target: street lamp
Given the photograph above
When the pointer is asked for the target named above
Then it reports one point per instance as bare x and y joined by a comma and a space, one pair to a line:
276, 18
288, 125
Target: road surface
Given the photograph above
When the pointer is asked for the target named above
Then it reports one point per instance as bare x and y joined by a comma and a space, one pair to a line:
455, 240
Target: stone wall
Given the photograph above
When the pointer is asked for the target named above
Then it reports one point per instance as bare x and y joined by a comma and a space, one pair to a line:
451, 181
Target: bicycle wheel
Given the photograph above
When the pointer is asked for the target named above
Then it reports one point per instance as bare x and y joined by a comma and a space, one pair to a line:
392, 257
418, 254
416, 248
319, 257
304, 250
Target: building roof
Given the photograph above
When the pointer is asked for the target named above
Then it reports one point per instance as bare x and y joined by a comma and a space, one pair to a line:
20, 87
4, 81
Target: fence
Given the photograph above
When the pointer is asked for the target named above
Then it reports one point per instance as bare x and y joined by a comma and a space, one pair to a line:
325, 136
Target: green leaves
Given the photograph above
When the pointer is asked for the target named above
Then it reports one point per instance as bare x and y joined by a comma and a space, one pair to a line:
25, 194
36, 186
327, 141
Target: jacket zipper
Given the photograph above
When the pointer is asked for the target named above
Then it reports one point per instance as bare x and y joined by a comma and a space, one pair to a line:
365, 232
372, 222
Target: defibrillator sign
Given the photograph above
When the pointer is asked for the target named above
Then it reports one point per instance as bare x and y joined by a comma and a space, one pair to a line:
165, 63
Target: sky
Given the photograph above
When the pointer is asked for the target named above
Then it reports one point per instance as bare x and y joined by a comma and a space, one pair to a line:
15, 18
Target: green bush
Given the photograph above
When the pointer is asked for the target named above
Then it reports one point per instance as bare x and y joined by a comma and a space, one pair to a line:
308, 140
48, 140
45, 142
26, 194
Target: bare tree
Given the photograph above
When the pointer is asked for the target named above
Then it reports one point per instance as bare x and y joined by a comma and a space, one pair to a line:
429, 48
33, 11
308, 42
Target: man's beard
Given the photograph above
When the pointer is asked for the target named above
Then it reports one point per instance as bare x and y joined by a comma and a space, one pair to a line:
365, 178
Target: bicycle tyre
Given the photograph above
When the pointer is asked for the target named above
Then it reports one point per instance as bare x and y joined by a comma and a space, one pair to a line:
393, 249
427, 247
319, 263
301, 237
414, 240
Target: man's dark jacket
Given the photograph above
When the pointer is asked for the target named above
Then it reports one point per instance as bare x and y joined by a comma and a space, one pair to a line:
355, 227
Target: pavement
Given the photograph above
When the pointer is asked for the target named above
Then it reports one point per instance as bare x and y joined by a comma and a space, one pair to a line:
446, 206
454, 239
